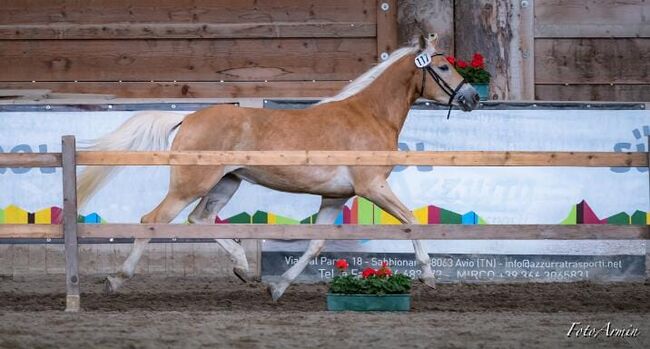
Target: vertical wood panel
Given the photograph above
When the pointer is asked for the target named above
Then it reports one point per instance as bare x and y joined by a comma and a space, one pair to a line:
55, 259
386, 27
6, 259
20, 259
523, 74
37, 258
157, 258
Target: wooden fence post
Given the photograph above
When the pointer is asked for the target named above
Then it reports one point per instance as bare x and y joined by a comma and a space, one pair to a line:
647, 243
69, 165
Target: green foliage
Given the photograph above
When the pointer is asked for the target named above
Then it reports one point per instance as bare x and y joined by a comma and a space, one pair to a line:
474, 75
350, 284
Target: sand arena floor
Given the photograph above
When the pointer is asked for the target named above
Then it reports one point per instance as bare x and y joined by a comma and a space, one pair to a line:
163, 312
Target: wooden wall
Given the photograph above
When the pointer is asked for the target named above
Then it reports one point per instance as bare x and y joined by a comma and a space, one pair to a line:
192, 48
592, 50
559, 49
543, 49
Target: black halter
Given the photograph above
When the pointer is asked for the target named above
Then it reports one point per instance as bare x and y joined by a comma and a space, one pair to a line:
451, 92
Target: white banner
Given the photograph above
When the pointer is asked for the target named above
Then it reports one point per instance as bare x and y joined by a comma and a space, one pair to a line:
469, 195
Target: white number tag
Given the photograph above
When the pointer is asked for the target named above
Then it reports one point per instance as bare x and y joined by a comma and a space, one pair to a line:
422, 60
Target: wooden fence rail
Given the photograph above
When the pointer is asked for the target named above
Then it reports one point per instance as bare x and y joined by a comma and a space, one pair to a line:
316, 157
70, 230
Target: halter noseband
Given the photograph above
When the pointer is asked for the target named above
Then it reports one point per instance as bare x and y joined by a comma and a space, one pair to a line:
450, 91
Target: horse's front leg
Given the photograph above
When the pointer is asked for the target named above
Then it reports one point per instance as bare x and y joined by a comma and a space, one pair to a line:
378, 191
329, 209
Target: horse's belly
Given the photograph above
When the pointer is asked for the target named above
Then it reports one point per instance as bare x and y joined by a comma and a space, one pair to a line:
330, 181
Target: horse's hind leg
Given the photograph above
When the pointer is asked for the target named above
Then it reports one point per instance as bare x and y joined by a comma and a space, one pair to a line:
186, 185
205, 213
329, 209
379, 192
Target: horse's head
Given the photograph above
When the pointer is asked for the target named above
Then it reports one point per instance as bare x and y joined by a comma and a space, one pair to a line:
440, 81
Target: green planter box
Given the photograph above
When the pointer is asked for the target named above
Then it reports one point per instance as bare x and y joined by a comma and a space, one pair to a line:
483, 91
368, 302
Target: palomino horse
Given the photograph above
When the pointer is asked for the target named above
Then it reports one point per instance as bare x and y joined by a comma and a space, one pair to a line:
368, 114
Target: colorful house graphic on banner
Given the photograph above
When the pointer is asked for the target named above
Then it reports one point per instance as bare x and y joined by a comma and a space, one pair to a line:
361, 211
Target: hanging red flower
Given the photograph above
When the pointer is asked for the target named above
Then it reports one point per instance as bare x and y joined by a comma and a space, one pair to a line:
451, 59
461, 64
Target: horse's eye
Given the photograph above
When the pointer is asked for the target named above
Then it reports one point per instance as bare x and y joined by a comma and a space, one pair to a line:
443, 67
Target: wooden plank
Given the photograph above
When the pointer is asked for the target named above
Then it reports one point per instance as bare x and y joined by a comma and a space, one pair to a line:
6, 259
21, 260
522, 79
55, 263
415, 17
618, 92
185, 11
591, 12
68, 149
16, 93
30, 160
37, 258
546, 31
365, 158
31, 231
576, 61
183, 89
192, 60
267, 30
353, 232
352, 158
386, 28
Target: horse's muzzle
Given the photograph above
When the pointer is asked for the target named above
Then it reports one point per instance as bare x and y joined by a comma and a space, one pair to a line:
467, 98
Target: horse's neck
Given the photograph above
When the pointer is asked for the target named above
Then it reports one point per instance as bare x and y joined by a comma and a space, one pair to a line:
391, 95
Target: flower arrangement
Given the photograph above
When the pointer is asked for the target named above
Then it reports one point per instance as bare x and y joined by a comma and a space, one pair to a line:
474, 72
380, 281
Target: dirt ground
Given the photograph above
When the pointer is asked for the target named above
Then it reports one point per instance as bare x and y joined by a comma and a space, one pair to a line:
157, 312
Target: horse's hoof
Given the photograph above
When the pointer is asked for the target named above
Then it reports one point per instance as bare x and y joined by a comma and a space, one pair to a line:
110, 285
242, 274
274, 291
431, 282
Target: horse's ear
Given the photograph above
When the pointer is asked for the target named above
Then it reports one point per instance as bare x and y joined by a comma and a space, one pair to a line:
422, 41
433, 39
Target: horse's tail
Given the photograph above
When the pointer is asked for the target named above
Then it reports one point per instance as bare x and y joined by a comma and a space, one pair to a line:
145, 131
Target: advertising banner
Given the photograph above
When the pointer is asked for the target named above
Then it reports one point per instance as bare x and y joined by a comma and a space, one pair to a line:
437, 195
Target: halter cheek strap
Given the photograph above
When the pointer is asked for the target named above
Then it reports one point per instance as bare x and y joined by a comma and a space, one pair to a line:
450, 91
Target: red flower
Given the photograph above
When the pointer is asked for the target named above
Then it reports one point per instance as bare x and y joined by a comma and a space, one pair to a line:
461, 64
478, 61
341, 264
384, 270
368, 272
451, 59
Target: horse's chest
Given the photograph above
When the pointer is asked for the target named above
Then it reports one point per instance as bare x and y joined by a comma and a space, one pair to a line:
319, 180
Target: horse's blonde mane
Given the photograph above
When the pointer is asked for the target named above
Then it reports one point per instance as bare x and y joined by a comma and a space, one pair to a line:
358, 84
